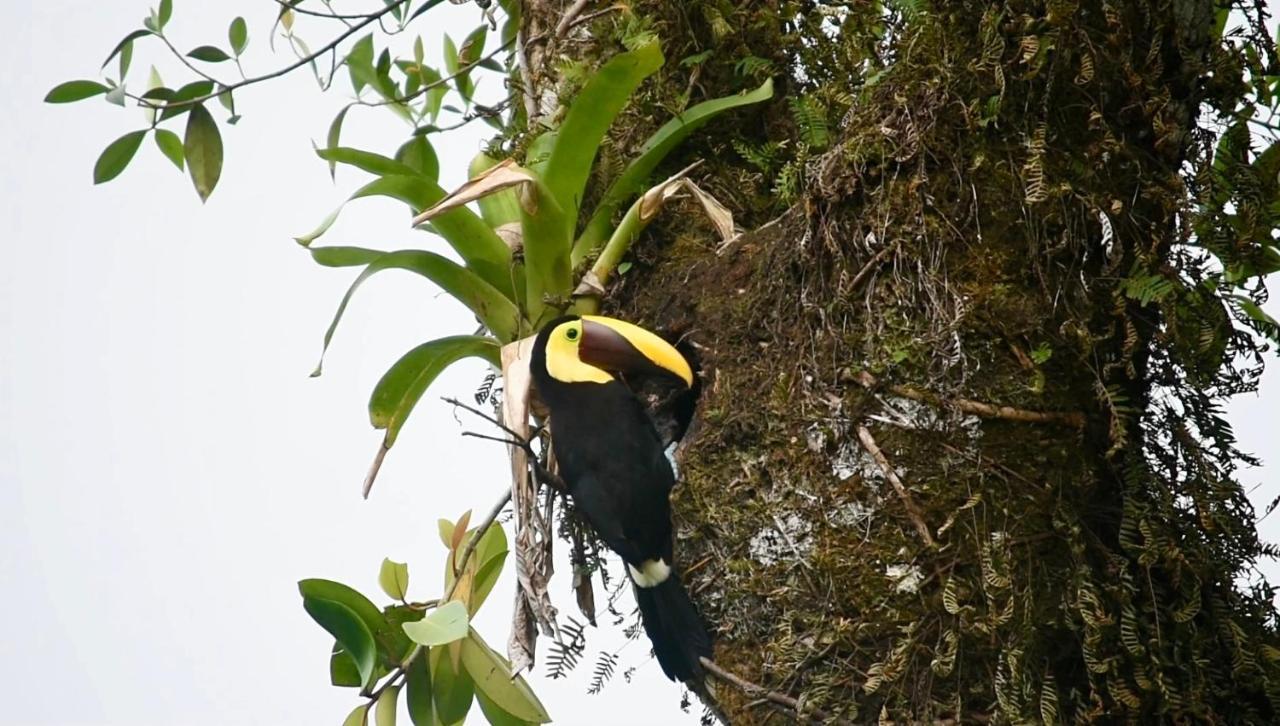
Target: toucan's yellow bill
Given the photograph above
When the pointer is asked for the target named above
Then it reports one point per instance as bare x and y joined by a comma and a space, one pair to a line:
615, 344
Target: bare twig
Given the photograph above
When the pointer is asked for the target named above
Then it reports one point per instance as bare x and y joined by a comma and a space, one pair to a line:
869, 443
794, 706
545, 476
871, 265
1074, 419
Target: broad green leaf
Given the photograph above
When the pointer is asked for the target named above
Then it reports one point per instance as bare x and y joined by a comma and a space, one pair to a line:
492, 676
402, 386
441, 626
417, 695
360, 63
384, 714
588, 120
470, 52
342, 670
344, 256
485, 564
478, 245
335, 131
171, 146
654, 150
495, 715
126, 42
368, 161
486, 577
451, 64
117, 156
349, 630
72, 91
166, 12
394, 579
451, 687
209, 54
358, 717
545, 231
494, 310
202, 147
390, 639
418, 154
445, 529
238, 36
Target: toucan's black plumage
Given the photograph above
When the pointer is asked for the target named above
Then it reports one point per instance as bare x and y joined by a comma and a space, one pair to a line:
613, 461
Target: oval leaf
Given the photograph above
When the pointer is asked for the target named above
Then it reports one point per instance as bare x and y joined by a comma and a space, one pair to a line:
375, 164
171, 146
492, 676
126, 42
348, 629
117, 156
402, 386
238, 35
358, 717
344, 256
391, 640
209, 54
384, 714
451, 688
72, 91
202, 147
495, 715
418, 154
417, 697
443, 625
394, 579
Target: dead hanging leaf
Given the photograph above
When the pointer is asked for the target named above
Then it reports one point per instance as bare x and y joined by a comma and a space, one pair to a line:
719, 215
653, 200
504, 175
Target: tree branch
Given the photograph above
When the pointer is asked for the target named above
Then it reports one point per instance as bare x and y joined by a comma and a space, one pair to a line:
1074, 419
794, 706
869, 443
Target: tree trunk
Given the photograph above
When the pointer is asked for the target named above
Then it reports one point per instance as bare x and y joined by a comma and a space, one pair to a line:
957, 455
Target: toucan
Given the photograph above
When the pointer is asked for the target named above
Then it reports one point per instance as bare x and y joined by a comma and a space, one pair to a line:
614, 464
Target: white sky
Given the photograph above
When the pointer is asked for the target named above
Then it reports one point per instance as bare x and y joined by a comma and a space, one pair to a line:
167, 469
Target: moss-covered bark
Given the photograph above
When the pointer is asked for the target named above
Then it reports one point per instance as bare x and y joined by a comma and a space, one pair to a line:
975, 203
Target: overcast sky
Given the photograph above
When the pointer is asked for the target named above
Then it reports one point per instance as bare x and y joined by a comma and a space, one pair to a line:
168, 471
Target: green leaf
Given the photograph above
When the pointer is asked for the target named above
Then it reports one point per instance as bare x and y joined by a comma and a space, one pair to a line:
445, 529
342, 670
384, 714
72, 91
588, 120
470, 52
368, 161
492, 676
335, 130
209, 54
495, 715
418, 154
402, 386
394, 579
486, 577
344, 256
202, 147
360, 64
238, 36
166, 12
478, 245
441, 626
417, 695
493, 309
349, 630
452, 688
196, 89
171, 146
390, 640
126, 42
545, 231
358, 717
654, 150
117, 156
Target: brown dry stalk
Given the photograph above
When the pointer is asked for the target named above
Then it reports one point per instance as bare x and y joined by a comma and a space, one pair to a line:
1074, 419
869, 443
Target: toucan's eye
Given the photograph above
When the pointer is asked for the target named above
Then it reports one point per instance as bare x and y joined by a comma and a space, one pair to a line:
571, 333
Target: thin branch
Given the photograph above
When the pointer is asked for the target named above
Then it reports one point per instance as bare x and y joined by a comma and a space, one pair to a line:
869, 443
294, 6
178, 54
443, 81
1074, 419
794, 706
544, 475
331, 45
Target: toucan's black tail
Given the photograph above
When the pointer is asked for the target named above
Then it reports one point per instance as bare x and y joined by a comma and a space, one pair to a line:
675, 628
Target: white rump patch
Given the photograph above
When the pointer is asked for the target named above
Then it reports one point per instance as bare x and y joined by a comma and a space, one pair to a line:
651, 573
